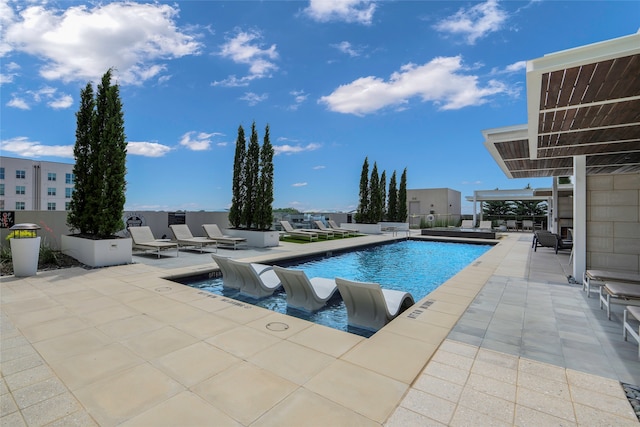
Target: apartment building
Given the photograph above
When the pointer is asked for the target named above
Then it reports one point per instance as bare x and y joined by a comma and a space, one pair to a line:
35, 185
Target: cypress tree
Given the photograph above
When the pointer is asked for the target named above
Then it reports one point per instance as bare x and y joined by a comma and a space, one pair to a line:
402, 197
375, 205
392, 209
251, 179
363, 205
237, 196
265, 210
383, 196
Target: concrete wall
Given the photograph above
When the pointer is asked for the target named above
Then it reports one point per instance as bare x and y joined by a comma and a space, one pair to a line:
613, 222
54, 223
443, 203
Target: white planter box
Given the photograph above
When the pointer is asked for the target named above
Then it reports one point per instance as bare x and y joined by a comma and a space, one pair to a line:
98, 253
363, 228
256, 239
25, 253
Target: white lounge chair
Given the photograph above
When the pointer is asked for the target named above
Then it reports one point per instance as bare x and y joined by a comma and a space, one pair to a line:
369, 306
322, 227
214, 233
230, 276
335, 226
467, 223
304, 293
631, 312
183, 236
527, 224
142, 238
254, 284
602, 276
298, 232
619, 293
485, 225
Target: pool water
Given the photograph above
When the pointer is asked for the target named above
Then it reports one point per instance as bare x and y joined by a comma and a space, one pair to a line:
416, 267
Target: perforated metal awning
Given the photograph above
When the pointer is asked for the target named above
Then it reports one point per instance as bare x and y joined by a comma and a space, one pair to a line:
583, 101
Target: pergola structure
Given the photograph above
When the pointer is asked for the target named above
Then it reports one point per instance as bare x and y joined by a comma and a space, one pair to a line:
583, 119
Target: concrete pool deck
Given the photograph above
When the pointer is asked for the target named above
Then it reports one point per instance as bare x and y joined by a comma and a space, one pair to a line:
507, 341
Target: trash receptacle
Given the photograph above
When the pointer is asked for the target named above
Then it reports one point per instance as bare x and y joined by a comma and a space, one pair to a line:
25, 249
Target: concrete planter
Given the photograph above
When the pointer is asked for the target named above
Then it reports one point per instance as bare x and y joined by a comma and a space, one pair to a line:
25, 253
363, 228
98, 253
256, 239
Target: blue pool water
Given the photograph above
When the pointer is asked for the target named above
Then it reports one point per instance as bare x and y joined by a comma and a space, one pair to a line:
416, 267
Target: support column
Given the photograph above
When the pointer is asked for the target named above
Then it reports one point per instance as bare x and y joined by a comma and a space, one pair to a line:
475, 197
553, 225
579, 216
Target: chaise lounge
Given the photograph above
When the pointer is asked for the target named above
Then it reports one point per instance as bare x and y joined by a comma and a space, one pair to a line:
550, 240
183, 236
254, 284
631, 312
369, 306
618, 293
605, 275
142, 238
307, 234
335, 226
322, 227
230, 276
304, 293
214, 233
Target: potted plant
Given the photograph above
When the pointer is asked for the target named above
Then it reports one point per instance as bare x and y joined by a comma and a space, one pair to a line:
251, 213
97, 203
25, 249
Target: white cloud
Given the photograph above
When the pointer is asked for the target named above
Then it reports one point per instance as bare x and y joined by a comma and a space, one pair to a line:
319, 167
475, 22
298, 97
440, 81
346, 47
80, 43
515, 67
23, 147
253, 98
299, 184
244, 49
147, 149
294, 149
47, 94
12, 69
358, 11
196, 141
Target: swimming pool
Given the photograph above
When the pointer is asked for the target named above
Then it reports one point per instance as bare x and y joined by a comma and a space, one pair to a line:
412, 266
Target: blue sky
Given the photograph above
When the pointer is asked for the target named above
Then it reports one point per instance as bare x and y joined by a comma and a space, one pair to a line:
408, 84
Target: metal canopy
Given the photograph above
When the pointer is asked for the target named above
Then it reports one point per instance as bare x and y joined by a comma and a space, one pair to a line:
583, 101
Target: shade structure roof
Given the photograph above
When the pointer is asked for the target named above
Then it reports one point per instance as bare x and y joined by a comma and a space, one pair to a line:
582, 101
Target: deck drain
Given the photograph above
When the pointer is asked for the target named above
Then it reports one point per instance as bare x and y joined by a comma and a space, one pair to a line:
277, 326
163, 289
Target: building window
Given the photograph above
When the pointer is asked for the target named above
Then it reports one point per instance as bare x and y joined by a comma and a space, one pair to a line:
19, 206
1, 189
51, 191
2, 204
51, 206
21, 174
69, 178
1, 173
68, 192
66, 205
51, 176
20, 189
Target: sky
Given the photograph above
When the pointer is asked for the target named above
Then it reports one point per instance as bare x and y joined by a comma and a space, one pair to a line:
406, 84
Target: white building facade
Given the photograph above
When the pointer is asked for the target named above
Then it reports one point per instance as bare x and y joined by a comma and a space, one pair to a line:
35, 185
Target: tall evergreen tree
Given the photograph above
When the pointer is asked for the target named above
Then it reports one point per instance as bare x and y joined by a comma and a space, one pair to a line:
251, 179
264, 216
362, 213
374, 196
237, 197
392, 208
402, 197
383, 195
97, 203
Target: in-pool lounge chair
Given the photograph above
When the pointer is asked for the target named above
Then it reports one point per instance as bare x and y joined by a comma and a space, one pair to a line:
254, 284
602, 276
369, 306
304, 293
214, 233
142, 238
230, 276
183, 236
618, 293
335, 226
298, 232
631, 312
322, 227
